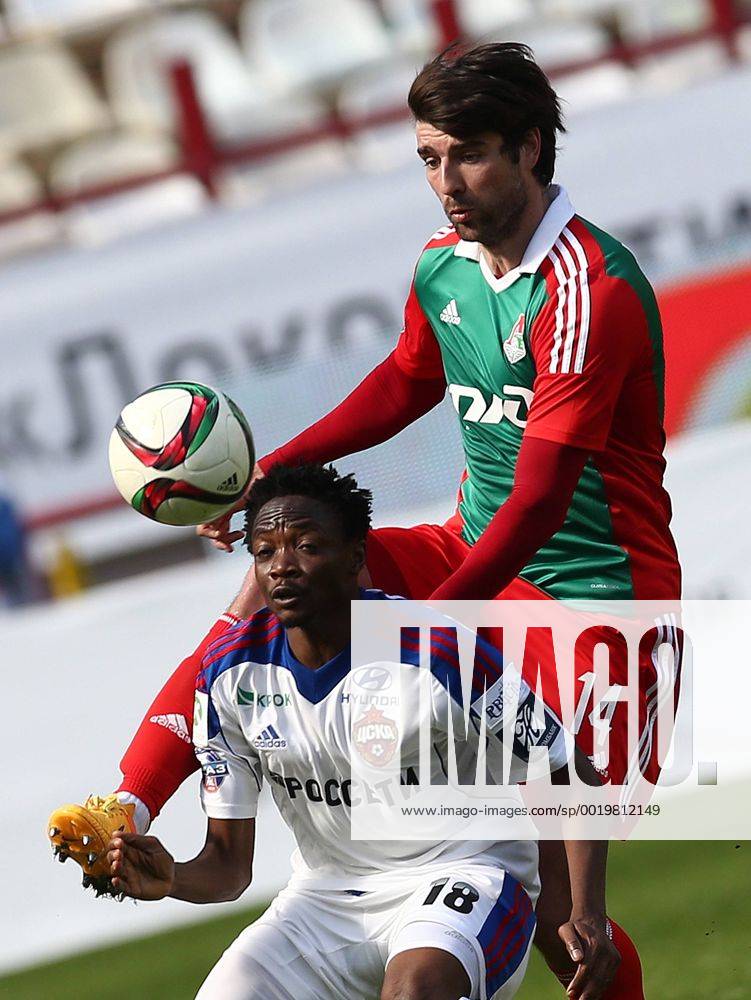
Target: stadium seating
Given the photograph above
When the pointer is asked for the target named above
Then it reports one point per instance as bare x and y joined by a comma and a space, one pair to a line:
313, 44
295, 62
281, 173
236, 103
743, 41
581, 8
150, 206
479, 17
412, 25
643, 20
106, 159
607, 83
375, 91
26, 16
19, 187
45, 98
559, 42
676, 70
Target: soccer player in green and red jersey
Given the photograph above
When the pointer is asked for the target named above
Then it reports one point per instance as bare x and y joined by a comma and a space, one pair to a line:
547, 336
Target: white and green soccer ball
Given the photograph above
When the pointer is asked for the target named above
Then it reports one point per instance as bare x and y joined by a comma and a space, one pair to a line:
181, 453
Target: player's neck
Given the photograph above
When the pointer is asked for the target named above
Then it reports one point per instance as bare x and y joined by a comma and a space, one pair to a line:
509, 254
320, 642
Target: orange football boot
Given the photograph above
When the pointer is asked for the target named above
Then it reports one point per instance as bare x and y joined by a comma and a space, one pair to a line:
83, 833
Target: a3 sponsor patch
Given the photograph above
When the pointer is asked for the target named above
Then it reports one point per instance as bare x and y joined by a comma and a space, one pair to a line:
214, 768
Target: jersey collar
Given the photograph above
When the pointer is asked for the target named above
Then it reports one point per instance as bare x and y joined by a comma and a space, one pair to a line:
559, 214
315, 685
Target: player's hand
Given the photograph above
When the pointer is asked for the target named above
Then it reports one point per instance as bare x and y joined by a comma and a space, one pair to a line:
219, 531
140, 867
588, 944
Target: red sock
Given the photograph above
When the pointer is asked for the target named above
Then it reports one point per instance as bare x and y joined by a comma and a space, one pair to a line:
160, 756
628, 983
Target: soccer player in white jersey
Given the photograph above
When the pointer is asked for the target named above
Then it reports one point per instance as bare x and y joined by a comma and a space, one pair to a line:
359, 919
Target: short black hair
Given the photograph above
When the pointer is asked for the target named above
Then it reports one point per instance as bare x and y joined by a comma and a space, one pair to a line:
352, 504
490, 88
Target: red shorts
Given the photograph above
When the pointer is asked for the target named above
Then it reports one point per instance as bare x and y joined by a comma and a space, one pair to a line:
413, 562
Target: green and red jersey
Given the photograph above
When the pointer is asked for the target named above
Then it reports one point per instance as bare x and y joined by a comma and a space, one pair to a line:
566, 347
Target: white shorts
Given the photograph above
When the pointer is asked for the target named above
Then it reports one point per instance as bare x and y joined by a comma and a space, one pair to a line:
325, 944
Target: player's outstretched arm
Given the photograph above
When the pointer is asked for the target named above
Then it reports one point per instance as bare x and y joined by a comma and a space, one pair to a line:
142, 868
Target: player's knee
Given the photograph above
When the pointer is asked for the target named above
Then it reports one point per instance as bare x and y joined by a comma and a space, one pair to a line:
425, 979
410, 986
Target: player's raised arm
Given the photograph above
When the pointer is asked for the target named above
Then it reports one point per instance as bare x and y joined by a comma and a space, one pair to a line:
142, 868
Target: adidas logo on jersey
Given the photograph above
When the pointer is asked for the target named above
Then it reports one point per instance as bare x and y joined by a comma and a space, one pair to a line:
175, 723
450, 314
269, 739
230, 483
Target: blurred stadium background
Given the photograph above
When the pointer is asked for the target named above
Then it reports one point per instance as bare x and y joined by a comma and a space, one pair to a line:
228, 191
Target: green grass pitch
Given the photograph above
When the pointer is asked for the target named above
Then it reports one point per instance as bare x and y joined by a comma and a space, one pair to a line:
687, 905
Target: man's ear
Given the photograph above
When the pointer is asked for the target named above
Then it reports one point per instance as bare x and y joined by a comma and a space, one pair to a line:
358, 556
530, 148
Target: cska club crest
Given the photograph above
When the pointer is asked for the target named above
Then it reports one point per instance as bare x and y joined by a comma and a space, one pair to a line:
515, 348
375, 737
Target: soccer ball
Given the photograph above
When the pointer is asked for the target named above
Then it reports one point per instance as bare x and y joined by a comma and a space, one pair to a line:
181, 453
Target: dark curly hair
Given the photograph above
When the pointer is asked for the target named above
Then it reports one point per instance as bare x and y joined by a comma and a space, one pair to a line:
490, 88
352, 505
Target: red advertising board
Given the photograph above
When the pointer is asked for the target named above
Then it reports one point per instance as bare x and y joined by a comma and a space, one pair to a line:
707, 324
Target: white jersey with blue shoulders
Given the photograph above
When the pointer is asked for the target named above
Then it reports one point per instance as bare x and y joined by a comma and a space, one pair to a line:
262, 716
